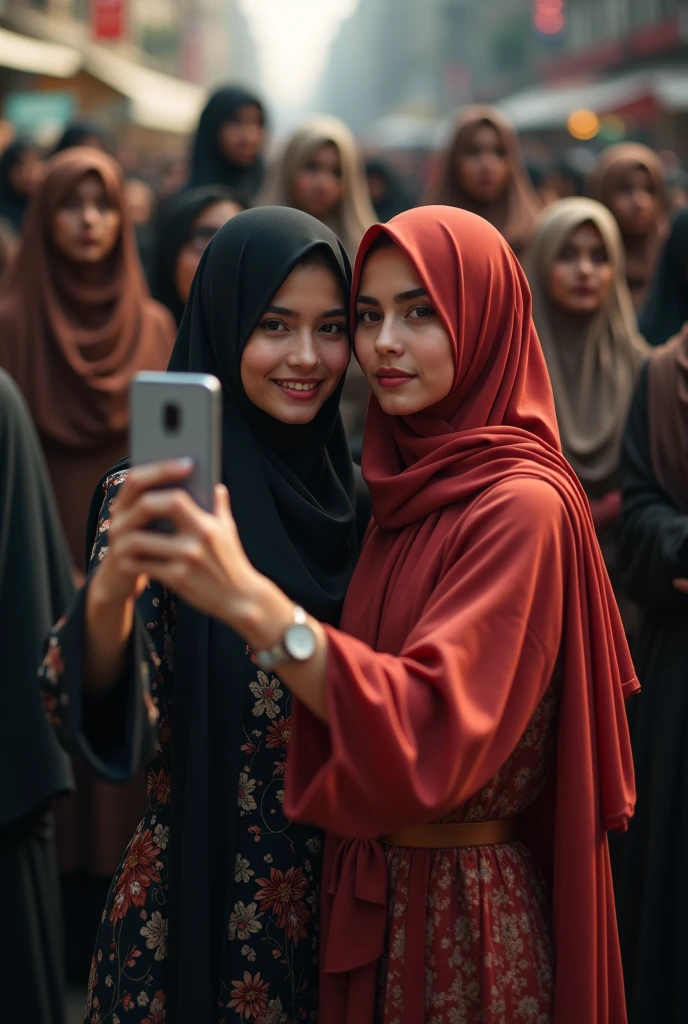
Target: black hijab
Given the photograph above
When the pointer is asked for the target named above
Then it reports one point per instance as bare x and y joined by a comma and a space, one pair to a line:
396, 200
208, 165
173, 232
666, 310
13, 204
292, 492
35, 589
81, 131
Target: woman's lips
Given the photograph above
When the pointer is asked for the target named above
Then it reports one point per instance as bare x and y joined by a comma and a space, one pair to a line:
393, 378
299, 390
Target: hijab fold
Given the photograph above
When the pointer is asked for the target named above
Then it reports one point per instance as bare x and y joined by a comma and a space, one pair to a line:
355, 213
610, 175
292, 492
515, 212
35, 589
593, 361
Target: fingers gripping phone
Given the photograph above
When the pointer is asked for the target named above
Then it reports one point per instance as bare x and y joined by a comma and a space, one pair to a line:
179, 415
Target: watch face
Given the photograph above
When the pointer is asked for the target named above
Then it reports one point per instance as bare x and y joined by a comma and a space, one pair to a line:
299, 642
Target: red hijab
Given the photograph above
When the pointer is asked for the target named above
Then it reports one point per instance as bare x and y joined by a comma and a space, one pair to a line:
498, 422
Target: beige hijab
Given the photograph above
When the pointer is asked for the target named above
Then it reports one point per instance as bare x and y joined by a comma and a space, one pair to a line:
355, 213
593, 361
515, 212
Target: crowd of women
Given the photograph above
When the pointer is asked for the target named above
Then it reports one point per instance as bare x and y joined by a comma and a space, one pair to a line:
417, 820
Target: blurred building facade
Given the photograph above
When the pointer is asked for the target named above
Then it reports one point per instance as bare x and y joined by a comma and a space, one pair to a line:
143, 64
395, 59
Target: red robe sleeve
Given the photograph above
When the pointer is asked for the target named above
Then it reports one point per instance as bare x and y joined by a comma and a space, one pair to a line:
414, 735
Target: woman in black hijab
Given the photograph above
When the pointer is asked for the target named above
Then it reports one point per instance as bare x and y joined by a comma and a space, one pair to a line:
213, 912
228, 146
387, 191
87, 132
667, 307
186, 226
20, 172
35, 588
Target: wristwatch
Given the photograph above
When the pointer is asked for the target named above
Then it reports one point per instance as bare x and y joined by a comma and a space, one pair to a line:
297, 644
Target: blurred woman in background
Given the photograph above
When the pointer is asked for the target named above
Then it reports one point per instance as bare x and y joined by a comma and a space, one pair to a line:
387, 191
188, 223
629, 179
228, 148
666, 310
320, 172
76, 322
585, 320
650, 862
35, 589
21, 170
89, 132
482, 170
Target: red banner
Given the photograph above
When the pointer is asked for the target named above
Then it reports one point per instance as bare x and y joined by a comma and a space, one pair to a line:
108, 19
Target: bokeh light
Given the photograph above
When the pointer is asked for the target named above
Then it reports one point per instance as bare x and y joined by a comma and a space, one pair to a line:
583, 124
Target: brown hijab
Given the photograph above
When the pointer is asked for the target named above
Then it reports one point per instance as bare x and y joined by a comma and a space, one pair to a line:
72, 343
515, 212
593, 361
668, 417
610, 175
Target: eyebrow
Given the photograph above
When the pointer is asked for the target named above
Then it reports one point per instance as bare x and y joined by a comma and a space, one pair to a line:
414, 293
283, 311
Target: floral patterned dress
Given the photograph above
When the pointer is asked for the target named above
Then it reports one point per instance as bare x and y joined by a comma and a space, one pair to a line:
269, 972
489, 956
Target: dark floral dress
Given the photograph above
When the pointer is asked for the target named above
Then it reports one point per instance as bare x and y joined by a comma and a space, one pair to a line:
269, 974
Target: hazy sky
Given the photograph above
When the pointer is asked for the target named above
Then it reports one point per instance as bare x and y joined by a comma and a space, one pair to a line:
293, 39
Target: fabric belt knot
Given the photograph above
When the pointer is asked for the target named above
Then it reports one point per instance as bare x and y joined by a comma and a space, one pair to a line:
358, 887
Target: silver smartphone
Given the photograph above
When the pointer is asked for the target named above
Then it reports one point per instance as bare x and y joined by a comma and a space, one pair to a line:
178, 415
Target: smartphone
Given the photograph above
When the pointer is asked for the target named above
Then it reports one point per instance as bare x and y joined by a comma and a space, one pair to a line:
177, 415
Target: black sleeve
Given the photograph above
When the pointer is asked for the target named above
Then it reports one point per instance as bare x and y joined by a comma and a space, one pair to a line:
653, 534
114, 733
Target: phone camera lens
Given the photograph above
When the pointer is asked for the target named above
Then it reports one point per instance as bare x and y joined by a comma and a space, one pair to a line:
171, 418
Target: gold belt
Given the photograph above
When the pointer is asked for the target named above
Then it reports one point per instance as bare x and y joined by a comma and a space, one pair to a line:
462, 834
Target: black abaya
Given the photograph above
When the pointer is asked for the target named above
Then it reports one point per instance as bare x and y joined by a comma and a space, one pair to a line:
35, 589
651, 880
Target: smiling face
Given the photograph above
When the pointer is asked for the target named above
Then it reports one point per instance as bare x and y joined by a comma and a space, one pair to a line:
401, 343
581, 276
87, 226
299, 351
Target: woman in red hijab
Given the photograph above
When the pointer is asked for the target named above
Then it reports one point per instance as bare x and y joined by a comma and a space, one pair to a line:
466, 726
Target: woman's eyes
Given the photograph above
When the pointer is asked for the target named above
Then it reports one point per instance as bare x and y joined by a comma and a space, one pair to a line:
368, 316
422, 312
332, 329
